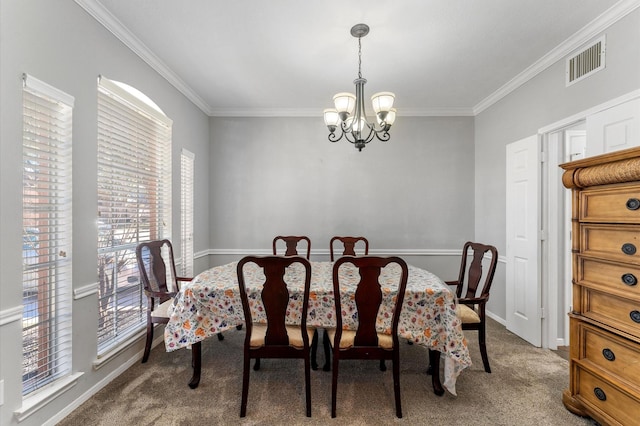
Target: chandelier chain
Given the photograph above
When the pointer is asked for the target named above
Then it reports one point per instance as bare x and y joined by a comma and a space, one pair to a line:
359, 57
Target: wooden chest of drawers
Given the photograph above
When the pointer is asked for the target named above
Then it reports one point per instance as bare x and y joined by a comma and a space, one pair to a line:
605, 320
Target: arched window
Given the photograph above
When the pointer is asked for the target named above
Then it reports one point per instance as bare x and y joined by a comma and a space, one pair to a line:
134, 202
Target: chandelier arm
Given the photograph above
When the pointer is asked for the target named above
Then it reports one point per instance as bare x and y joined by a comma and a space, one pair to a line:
383, 135
335, 138
371, 134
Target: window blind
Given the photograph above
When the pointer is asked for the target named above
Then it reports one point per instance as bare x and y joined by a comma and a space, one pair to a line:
134, 203
187, 160
46, 234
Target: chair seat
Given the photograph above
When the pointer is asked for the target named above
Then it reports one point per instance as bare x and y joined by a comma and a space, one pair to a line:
385, 341
259, 333
162, 311
467, 315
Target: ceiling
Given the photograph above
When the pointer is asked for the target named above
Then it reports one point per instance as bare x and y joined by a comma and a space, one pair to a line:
289, 57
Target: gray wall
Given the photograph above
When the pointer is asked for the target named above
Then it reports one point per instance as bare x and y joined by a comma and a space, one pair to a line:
59, 43
279, 176
538, 103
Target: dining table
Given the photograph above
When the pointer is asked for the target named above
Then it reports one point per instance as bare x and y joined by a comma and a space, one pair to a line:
210, 304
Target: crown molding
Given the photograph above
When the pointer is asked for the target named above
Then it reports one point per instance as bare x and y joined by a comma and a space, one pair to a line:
113, 25
315, 112
588, 32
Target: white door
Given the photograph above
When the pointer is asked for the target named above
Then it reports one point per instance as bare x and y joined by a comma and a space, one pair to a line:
523, 288
614, 128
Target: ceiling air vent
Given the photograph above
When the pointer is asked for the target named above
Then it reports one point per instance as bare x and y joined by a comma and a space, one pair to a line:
586, 62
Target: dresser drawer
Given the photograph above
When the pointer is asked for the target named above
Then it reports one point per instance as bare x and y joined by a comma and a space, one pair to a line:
620, 204
611, 402
618, 356
617, 312
620, 279
621, 242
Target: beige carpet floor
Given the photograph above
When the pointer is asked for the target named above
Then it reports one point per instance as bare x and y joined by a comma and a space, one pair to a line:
525, 388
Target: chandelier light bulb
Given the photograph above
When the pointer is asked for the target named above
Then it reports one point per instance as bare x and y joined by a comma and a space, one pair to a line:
345, 103
382, 101
331, 118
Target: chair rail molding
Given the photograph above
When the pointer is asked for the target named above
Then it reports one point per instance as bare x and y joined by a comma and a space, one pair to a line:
84, 291
10, 315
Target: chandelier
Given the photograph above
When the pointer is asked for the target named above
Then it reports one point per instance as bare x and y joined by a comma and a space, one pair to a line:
349, 112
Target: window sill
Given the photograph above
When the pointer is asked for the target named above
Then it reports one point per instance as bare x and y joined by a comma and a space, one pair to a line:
44, 396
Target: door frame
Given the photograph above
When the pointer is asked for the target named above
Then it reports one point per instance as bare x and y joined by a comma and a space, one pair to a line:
553, 279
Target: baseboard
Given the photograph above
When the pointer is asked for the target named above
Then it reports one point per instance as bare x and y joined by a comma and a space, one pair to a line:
496, 318
101, 384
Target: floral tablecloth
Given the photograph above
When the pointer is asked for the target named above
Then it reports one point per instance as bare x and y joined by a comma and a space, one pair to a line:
211, 304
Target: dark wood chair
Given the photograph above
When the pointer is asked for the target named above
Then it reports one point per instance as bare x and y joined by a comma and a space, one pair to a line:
470, 282
161, 283
366, 342
292, 242
275, 339
349, 244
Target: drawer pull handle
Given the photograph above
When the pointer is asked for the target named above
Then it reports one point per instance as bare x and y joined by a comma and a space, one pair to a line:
608, 354
628, 248
633, 204
629, 279
635, 316
600, 394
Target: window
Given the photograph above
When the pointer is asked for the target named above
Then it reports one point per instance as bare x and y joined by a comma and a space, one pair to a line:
186, 212
46, 234
134, 203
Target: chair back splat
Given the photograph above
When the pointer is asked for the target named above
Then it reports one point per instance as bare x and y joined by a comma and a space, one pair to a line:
291, 243
275, 339
471, 305
349, 244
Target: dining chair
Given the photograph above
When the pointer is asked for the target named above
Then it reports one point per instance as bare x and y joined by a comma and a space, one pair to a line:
471, 305
292, 242
161, 284
367, 342
275, 339
349, 244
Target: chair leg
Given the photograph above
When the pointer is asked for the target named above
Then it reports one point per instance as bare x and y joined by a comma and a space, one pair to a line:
307, 384
327, 352
220, 336
396, 384
314, 350
383, 366
256, 365
245, 384
147, 345
483, 348
334, 387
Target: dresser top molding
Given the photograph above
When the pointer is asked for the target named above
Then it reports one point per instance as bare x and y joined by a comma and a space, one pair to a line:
614, 167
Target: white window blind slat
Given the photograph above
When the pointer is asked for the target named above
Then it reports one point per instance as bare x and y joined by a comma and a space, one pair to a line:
47, 234
134, 203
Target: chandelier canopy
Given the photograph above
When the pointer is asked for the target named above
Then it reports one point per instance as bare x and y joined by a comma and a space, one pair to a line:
349, 112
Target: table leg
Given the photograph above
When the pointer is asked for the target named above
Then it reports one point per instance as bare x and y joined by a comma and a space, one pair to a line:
196, 363
434, 370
